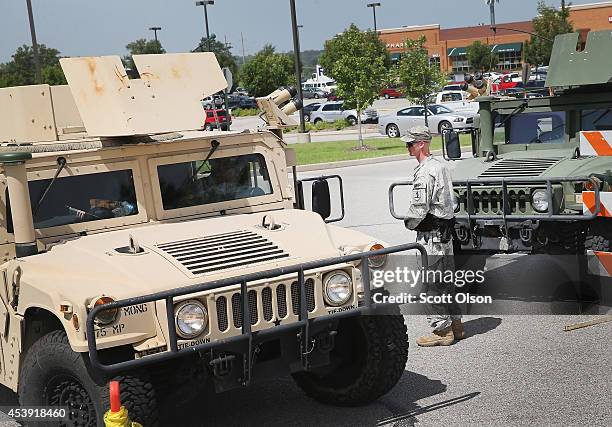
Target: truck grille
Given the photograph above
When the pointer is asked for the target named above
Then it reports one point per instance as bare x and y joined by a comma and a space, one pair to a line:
264, 297
490, 201
514, 168
222, 251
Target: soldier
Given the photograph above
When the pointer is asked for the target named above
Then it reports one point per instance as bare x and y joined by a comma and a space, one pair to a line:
431, 215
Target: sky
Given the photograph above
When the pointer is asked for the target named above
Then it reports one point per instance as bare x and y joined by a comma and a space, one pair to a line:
104, 27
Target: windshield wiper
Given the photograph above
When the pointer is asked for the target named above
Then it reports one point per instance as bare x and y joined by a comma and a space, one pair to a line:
214, 145
514, 112
61, 163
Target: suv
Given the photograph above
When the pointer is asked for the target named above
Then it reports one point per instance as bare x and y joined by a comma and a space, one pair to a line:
213, 101
167, 257
216, 119
332, 111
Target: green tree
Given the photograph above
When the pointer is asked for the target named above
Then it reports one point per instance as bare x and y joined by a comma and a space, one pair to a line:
267, 71
222, 52
480, 56
20, 70
140, 47
358, 64
549, 23
416, 75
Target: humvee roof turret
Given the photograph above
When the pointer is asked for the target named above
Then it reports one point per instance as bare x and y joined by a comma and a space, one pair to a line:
136, 245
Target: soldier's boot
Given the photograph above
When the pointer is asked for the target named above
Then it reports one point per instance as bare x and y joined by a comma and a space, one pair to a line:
457, 328
441, 337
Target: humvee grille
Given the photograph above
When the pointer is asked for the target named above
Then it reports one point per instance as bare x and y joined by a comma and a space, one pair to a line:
266, 302
281, 301
222, 313
222, 251
295, 296
514, 168
237, 310
253, 306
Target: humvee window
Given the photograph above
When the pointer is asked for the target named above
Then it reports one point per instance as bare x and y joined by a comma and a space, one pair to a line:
529, 128
597, 119
219, 180
82, 198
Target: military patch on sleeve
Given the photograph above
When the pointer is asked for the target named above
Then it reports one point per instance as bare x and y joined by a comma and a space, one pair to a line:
418, 193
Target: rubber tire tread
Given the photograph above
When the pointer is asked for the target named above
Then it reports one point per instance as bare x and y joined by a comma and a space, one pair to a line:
387, 354
53, 350
599, 237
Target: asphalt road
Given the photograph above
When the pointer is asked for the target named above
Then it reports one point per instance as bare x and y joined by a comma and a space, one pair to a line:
510, 370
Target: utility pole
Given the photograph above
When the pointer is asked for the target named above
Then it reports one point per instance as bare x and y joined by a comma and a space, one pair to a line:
491, 4
374, 6
298, 65
155, 30
206, 3
34, 43
242, 41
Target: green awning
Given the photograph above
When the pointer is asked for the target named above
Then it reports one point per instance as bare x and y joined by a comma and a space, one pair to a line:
507, 47
396, 56
456, 51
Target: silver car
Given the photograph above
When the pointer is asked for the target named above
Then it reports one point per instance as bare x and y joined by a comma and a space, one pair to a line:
332, 111
440, 118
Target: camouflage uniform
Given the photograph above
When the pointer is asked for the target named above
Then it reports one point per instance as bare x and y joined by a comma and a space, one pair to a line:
432, 194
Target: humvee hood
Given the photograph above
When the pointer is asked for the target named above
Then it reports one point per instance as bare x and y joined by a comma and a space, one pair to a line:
179, 254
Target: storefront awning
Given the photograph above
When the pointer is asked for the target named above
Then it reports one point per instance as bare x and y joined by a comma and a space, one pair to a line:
507, 47
456, 51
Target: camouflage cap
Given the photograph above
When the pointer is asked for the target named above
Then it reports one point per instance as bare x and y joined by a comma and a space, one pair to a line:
417, 133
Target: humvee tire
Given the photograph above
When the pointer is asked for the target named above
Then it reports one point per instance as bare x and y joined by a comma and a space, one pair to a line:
52, 374
599, 237
367, 361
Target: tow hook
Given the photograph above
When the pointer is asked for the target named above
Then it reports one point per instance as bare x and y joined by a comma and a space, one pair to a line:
525, 234
325, 342
222, 365
463, 235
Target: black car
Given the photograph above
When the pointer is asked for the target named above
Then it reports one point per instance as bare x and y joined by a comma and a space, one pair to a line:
240, 101
309, 109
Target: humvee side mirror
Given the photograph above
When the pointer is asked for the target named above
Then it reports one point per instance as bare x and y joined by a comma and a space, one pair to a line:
451, 142
321, 199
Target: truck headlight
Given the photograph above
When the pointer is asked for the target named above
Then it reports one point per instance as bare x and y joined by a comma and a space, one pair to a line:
378, 260
539, 201
338, 288
191, 318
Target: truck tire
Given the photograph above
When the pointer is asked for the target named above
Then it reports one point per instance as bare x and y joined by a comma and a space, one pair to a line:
367, 361
599, 237
52, 374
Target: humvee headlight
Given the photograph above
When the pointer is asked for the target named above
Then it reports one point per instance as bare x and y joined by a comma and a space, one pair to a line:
378, 260
191, 319
105, 317
539, 201
338, 288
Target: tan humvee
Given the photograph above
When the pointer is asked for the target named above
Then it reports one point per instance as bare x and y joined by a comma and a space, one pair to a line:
131, 241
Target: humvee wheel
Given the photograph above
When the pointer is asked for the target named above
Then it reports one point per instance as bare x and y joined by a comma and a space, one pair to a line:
54, 375
367, 361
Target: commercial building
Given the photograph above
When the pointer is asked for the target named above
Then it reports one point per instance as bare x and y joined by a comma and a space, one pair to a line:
448, 47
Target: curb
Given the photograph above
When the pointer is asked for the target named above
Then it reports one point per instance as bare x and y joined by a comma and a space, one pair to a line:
360, 162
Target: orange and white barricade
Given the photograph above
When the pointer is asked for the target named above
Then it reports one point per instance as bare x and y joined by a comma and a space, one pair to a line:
605, 203
599, 263
596, 143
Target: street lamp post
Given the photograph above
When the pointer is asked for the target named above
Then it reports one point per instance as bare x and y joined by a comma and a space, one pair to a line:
206, 3
34, 43
298, 65
155, 30
374, 6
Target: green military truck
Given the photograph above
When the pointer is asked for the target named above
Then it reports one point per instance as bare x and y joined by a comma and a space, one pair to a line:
540, 180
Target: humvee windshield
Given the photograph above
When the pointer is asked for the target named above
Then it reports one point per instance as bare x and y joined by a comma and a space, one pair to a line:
533, 128
596, 119
218, 180
82, 198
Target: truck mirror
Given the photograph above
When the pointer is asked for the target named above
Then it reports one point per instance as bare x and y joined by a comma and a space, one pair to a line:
451, 142
321, 199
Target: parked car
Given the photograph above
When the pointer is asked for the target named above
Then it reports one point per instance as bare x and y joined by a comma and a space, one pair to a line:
240, 91
312, 92
391, 92
308, 109
455, 100
213, 101
514, 92
440, 118
241, 101
216, 119
332, 111
452, 86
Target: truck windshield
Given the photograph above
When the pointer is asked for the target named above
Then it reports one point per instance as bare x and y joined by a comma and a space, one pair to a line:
596, 119
219, 180
83, 198
533, 128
